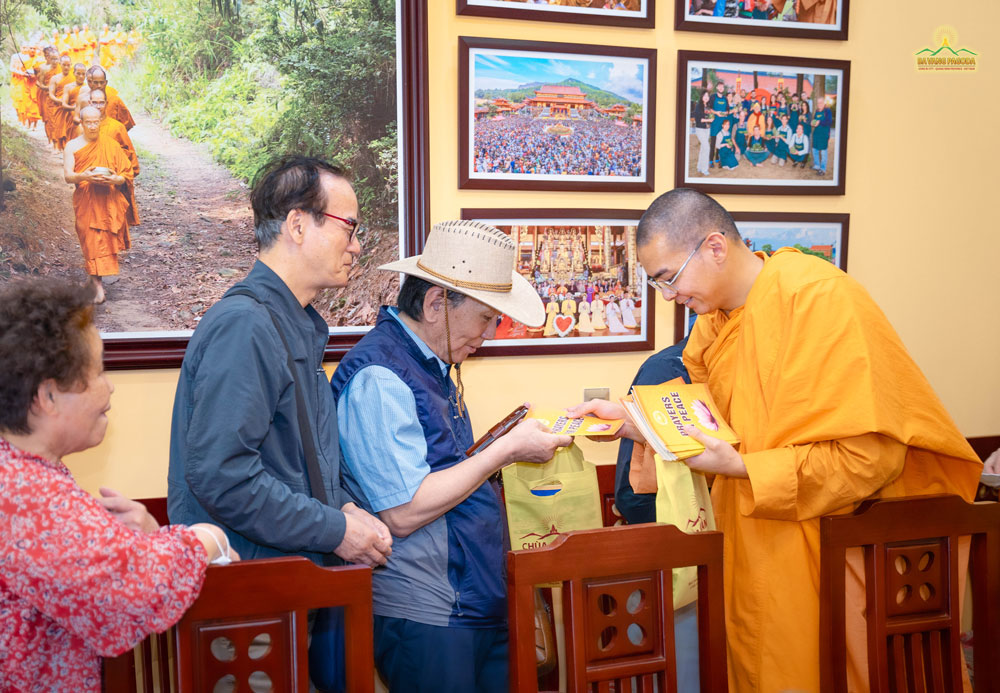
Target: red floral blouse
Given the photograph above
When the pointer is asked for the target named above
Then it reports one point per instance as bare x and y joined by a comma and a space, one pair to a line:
75, 583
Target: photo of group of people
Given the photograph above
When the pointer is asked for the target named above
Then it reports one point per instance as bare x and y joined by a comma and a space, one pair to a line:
587, 275
638, 13
546, 118
762, 124
813, 18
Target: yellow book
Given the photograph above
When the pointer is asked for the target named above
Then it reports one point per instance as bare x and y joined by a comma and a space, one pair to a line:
661, 412
558, 422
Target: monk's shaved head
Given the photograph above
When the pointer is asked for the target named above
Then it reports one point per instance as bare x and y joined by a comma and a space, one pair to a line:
89, 112
684, 217
97, 71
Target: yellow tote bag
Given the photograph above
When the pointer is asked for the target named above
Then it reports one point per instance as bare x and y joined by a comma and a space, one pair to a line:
683, 500
549, 499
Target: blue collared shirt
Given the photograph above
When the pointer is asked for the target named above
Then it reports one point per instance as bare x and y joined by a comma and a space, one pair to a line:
380, 434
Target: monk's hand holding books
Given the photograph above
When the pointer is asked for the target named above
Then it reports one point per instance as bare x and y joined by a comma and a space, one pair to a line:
719, 457
681, 422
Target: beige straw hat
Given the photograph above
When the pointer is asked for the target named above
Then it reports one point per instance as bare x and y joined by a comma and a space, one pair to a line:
477, 260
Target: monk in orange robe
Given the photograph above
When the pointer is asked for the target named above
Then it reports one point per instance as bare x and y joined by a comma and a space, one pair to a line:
97, 78
99, 168
71, 99
18, 81
116, 131
830, 410
64, 103
46, 73
31, 112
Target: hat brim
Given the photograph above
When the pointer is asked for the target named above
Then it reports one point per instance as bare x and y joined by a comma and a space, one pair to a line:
521, 303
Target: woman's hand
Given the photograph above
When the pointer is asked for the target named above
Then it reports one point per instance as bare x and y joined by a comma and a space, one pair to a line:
130, 513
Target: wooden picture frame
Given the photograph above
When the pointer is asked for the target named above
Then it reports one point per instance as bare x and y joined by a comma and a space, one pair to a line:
537, 134
687, 17
166, 350
758, 81
762, 230
607, 239
643, 18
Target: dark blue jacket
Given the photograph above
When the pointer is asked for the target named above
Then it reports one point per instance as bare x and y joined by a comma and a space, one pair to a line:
236, 456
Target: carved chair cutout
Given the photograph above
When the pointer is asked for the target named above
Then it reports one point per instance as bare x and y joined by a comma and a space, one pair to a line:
248, 631
618, 607
912, 583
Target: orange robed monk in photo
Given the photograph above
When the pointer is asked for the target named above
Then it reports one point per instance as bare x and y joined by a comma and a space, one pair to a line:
64, 120
100, 170
116, 131
830, 410
97, 78
46, 73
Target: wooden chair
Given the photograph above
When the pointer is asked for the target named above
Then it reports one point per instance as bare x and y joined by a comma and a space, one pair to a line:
618, 607
248, 627
912, 576
141, 669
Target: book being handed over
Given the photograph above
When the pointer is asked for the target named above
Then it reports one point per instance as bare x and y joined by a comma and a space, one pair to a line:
661, 412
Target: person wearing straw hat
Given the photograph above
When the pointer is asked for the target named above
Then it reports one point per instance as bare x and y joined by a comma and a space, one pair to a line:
440, 602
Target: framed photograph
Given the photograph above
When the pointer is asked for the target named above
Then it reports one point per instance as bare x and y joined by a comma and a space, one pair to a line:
761, 124
819, 19
555, 116
197, 156
823, 235
631, 13
583, 264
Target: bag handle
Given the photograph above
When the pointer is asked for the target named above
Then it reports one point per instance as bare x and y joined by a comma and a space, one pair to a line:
316, 488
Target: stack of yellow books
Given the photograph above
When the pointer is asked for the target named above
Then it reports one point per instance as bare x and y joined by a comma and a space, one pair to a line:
661, 412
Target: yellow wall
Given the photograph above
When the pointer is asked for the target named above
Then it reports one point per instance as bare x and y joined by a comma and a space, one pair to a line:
922, 154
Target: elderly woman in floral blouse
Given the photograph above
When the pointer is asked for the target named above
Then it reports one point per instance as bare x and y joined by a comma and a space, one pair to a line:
80, 578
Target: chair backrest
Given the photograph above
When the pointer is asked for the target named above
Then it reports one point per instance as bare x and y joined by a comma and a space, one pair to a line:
157, 507
248, 628
610, 515
912, 569
618, 607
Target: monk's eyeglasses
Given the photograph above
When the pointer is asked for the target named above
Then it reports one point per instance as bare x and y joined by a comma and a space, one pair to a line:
666, 287
353, 223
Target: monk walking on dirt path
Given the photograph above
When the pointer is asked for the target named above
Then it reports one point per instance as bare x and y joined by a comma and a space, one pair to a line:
98, 167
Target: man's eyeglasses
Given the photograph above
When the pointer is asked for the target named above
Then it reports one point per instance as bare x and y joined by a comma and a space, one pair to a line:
666, 287
353, 223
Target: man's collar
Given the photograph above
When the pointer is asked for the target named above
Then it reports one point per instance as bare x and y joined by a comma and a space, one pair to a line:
279, 296
427, 352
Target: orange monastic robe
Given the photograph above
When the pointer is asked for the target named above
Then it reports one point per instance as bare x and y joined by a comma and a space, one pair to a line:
117, 109
30, 100
63, 126
101, 210
116, 131
830, 410
818, 11
45, 104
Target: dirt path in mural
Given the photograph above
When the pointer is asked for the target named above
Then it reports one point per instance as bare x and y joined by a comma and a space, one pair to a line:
195, 239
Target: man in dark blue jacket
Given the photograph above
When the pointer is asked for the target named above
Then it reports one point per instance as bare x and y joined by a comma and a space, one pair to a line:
237, 453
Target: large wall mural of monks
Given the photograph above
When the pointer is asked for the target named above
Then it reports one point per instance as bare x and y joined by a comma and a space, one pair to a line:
131, 132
